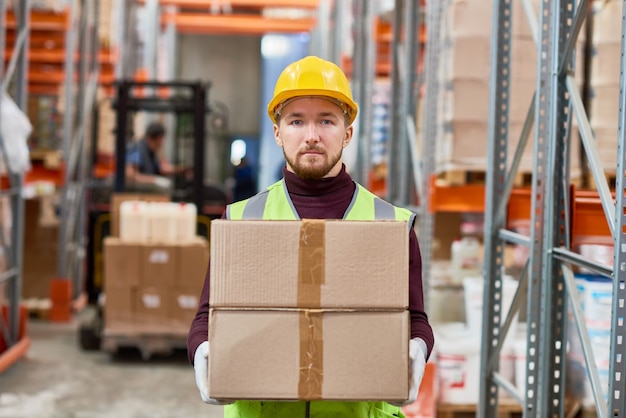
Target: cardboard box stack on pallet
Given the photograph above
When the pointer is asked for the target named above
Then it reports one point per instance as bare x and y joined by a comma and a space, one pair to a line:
604, 78
326, 321
151, 278
464, 80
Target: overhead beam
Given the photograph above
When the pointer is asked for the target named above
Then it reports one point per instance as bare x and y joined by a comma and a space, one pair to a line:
205, 4
234, 24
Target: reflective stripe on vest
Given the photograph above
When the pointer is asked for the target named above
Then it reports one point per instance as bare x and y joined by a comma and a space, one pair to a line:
275, 203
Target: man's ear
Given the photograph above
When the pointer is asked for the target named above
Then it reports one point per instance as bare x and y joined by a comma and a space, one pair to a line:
348, 136
279, 141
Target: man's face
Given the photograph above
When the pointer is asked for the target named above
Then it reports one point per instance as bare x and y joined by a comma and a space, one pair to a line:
155, 143
312, 133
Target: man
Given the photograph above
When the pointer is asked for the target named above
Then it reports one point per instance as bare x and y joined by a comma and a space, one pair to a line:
313, 112
245, 181
144, 165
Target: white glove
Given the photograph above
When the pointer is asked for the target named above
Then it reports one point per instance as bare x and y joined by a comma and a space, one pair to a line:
162, 182
201, 367
417, 354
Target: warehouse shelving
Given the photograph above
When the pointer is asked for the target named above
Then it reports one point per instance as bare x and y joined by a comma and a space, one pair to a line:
559, 217
12, 316
563, 215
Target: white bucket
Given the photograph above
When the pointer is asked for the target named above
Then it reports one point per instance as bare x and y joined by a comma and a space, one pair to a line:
458, 364
474, 304
186, 222
162, 222
598, 303
134, 221
465, 259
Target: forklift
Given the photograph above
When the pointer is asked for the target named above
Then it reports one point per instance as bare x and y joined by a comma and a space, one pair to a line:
188, 101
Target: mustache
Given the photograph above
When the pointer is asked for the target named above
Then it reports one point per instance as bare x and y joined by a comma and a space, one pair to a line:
313, 148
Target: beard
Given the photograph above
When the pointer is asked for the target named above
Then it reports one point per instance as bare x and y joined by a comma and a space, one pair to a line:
308, 168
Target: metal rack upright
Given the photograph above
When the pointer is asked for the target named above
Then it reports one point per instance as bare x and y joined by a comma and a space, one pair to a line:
13, 245
80, 97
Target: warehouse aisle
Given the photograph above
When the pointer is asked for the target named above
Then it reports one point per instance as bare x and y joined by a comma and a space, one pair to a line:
59, 380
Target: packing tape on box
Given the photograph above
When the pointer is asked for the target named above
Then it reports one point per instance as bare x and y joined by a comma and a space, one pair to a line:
311, 263
311, 268
311, 355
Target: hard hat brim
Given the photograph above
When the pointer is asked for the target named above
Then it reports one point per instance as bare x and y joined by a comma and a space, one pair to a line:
292, 94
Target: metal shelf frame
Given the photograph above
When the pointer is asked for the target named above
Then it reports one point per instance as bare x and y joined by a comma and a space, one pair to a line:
550, 281
14, 244
80, 97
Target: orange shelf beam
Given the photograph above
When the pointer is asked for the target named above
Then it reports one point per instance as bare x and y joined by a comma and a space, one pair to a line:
203, 23
259, 4
57, 77
57, 56
40, 173
13, 354
463, 198
589, 224
40, 20
37, 39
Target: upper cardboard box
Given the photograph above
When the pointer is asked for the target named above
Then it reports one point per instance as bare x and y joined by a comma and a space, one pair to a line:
309, 264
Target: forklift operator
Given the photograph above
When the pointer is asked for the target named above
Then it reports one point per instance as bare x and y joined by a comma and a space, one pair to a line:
144, 165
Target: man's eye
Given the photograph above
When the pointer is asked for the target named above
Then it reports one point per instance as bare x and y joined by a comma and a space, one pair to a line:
327, 122
296, 122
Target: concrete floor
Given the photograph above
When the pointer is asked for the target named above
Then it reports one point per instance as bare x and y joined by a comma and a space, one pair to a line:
57, 379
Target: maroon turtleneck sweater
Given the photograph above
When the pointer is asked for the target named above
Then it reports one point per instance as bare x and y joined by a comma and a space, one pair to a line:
328, 199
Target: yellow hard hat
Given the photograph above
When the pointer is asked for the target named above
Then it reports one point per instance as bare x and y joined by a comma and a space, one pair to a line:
313, 76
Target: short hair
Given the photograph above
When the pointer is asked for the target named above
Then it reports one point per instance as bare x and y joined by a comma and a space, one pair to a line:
155, 130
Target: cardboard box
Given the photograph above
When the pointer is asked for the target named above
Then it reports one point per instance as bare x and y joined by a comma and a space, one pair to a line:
122, 265
153, 304
184, 304
604, 104
118, 198
40, 252
159, 264
193, 261
607, 22
605, 65
468, 18
119, 308
307, 355
467, 58
309, 264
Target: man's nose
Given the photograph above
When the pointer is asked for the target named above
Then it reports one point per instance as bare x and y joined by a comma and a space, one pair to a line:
312, 134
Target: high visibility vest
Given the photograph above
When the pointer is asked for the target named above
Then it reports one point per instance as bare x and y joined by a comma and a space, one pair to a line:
275, 204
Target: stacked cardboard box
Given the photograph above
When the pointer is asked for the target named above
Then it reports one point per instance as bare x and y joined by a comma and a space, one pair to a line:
309, 310
464, 85
153, 284
157, 283
106, 125
604, 78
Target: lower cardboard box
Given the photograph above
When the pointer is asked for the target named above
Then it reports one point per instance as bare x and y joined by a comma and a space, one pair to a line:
308, 355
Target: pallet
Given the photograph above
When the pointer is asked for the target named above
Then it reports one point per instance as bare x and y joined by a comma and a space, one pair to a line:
38, 308
611, 179
506, 409
148, 339
465, 177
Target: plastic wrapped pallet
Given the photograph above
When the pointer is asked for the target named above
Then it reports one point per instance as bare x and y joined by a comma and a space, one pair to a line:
464, 77
604, 76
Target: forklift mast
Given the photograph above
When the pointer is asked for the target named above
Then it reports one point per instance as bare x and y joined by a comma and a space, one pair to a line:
162, 97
